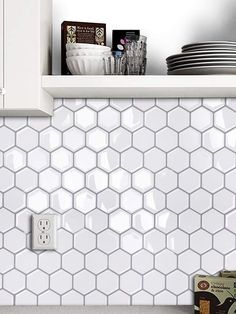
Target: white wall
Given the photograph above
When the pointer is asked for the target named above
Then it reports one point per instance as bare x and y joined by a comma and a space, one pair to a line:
168, 24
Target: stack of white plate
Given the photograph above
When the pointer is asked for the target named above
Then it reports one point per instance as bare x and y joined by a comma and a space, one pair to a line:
210, 57
86, 59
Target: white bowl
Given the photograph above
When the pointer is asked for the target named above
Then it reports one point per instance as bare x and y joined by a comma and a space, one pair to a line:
86, 46
87, 52
85, 65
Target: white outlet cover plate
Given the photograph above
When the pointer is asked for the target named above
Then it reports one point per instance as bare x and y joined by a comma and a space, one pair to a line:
39, 232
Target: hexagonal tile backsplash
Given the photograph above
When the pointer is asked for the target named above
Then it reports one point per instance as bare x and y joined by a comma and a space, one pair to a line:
145, 195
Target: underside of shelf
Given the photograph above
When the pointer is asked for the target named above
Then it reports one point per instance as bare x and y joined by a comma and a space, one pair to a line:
159, 86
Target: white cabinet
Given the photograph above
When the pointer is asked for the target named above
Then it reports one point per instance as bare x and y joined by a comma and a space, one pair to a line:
25, 48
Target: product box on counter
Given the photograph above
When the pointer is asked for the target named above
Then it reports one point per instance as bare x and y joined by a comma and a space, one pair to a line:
214, 295
80, 32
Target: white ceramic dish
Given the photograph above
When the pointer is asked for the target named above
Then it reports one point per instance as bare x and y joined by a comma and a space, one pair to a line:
85, 65
86, 46
210, 44
202, 53
205, 70
87, 52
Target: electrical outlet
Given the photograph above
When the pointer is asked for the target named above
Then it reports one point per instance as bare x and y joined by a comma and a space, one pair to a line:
44, 229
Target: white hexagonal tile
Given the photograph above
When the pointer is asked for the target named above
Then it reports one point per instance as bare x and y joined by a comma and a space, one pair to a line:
62, 159
143, 180
73, 261
143, 139
25, 298
38, 159
184, 263
85, 201
213, 215
164, 298
57, 278
200, 201
213, 104
49, 298
119, 262
230, 102
108, 200
26, 261
177, 282
142, 298
61, 200
120, 221
154, 159
224, 241
189, 180
230, 221
85, 241
85, 159
73, 180
72, 298
120, 139
39, 123
212, 180
95, 298
73, 220
7, 220
130, 282
132, 119
96, 262
97, 180
189, 221
15, 159
142, 261
62, 119
121, 104
144, 104
177, 201
143, 221
23, 220
155, 119
7, 261
224, 201
230, 140
131, 160
200, 241
154, 200
64, 241
154, 241
201, 160
154, 282
97, 139
166, 221
224, 160
14, 281
7, 138
178, 160
73, 139
109, 119
131, 200
37, 282
131, 241
225, 119
14, 200
96, 221
108, 241
50, 139
177, 241
55, 262
212, 262
108, 159
10, 242
15, 123
166, 139
7, 179
230, 180
107, 282
213, 140
167, 104
84, 282
178, 119
6, 298
27, 139
37, 200
26, 180
201, 119
49, 180
120, 180
97, 104
184, 141
166, 180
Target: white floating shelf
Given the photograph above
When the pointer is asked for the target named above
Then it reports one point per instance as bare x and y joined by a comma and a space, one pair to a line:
155, 86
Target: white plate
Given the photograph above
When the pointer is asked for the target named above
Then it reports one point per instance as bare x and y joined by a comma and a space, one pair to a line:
206, 53
205, 70
200, 64
202, 60
210, 44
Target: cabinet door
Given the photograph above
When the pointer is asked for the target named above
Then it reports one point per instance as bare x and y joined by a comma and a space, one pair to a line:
1, 52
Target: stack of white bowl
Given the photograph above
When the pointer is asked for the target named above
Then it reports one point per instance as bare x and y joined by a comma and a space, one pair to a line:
86, 59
